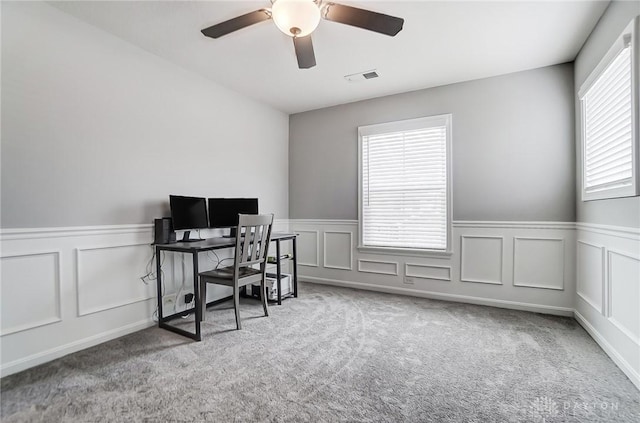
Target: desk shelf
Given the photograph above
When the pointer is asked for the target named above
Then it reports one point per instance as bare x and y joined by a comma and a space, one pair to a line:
272, 259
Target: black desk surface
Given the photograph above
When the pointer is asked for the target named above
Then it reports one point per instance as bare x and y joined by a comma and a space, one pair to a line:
215, 243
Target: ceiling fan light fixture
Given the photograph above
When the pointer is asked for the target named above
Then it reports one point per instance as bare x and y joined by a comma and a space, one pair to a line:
296, 18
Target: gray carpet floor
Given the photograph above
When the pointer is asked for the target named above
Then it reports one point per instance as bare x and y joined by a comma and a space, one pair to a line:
336, 354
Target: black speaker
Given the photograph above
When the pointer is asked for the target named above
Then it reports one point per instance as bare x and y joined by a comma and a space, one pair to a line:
164, 233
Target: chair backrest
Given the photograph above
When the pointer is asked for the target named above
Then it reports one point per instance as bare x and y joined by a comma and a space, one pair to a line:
253, 235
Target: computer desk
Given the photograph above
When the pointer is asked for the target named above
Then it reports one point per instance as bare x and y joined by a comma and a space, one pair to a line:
194, 248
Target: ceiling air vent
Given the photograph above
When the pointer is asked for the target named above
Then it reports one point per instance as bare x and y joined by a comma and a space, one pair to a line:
362, 76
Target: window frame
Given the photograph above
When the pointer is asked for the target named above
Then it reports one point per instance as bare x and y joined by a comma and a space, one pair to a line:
403, 125
628, 35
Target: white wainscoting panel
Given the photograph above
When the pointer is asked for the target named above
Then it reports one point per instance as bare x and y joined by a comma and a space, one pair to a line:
69, 263
608, 291
66, 289
109, 277
481, 259
379, 267
482, 251
308, 246
538, 262
624, 292
338, 250
427, 271
30, 286
590, 275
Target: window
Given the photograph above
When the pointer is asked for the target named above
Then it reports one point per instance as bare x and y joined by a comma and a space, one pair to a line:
609, 123
404, 185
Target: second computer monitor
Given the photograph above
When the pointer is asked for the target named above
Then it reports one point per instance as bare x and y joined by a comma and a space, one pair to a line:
223, 212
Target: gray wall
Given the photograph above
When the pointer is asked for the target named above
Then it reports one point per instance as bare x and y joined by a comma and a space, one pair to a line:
619, 211
96, 131
513, 148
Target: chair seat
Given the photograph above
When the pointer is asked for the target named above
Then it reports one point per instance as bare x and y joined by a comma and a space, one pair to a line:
227, 273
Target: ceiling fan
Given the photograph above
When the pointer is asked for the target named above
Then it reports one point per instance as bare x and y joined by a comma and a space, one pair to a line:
299, 18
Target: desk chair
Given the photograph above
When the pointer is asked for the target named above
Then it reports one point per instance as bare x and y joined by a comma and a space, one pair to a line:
251, 249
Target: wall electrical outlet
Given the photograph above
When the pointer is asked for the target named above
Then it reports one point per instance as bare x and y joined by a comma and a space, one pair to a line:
409, 280
169, 300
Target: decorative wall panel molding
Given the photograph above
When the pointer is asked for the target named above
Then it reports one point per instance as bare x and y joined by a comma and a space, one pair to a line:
379, 267
427, 271
538, 262
41, 272
500, 262
481, 259
608, 291
338, 250
624, 293
590, 277
109, 277
308, 246
30, 291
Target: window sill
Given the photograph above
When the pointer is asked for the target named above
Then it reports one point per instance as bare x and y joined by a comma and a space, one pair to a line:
412, 252
610, 194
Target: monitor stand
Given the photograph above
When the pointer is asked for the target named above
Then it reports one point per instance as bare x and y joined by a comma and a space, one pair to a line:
232, 233
185, 237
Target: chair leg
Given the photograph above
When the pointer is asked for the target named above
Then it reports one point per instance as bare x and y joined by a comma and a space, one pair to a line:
236, 305
263, 294
203, 299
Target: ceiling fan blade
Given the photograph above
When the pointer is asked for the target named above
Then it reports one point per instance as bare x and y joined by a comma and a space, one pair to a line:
304, 52
227, 27
365, 19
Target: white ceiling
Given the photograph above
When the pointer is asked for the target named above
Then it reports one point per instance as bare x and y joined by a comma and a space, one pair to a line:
441, 43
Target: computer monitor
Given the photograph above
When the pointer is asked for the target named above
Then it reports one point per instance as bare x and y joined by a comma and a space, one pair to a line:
188, 213
223, 212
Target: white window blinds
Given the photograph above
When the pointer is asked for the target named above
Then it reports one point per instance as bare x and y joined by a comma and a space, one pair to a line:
610, 126
404, 184
607, 108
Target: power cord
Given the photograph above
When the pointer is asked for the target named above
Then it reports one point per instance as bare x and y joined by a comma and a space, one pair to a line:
149, 268
152, 276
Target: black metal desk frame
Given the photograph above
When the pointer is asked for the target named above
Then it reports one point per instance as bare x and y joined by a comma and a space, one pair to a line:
194, 248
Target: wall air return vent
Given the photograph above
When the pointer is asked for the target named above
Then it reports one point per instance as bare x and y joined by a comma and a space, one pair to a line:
362, 76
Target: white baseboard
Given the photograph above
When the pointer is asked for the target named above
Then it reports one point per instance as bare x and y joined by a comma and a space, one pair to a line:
608, 349
513, 305
57, 352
